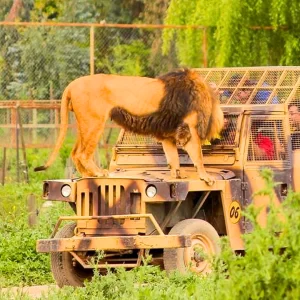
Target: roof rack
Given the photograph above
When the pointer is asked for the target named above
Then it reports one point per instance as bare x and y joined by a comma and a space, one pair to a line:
255, 85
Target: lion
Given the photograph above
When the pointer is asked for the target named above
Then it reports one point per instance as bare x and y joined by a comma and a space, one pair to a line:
178, 108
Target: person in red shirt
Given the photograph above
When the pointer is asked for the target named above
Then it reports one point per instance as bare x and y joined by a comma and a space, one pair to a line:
265, 145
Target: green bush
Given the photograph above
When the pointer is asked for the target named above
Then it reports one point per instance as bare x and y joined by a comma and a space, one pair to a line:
20, 263
270, 268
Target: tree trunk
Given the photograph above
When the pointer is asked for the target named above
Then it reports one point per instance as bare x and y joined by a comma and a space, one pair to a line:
14, 11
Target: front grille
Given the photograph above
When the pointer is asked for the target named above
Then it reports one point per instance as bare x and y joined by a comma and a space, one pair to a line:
103, 201
112, 200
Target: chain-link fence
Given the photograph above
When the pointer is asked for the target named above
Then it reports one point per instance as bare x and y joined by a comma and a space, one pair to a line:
31, 125
37, 60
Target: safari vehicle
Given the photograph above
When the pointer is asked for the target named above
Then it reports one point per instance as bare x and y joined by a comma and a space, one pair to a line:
139, 209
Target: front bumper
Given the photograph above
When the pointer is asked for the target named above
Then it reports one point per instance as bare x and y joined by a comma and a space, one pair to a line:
113, 243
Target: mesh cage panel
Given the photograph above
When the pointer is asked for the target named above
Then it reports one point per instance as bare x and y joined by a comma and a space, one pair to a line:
267, 141
226, 138
294, 120
134, 139
228, 134
273, 85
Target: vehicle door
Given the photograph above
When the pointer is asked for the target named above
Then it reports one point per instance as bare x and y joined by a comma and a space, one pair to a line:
267, 146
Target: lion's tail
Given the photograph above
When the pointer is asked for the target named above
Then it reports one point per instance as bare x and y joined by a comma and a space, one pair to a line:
64, 111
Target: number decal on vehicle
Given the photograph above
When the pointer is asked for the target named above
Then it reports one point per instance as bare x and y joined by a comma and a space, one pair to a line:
234, 212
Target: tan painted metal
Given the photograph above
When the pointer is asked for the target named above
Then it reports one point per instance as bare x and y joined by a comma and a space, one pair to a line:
113, 243
112, 217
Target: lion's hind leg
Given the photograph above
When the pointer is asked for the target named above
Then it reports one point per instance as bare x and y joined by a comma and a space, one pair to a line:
172, 157
85, 152
79, 167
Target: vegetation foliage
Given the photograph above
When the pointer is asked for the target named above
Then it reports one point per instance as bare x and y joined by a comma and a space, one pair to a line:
269, 268
39, 62
20, 264
239, 33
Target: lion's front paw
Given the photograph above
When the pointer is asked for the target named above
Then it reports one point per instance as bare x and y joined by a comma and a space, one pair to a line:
207, 178
178, 174
102, 173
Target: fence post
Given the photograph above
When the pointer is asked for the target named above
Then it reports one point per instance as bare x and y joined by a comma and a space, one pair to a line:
13, 126
92, 50
21, 134
32, 211
56, 123
204, 47
34, 123
69, 168
3, 166
17, 143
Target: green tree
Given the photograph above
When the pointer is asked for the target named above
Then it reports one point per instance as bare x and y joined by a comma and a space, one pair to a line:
37, 62
240, 33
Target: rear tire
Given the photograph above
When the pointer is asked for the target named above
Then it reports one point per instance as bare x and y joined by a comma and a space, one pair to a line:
63, 270
203, 236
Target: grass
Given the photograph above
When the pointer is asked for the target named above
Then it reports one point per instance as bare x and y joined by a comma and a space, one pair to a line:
20, 264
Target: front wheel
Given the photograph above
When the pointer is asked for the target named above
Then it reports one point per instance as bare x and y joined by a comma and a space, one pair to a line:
205, 241
65, 270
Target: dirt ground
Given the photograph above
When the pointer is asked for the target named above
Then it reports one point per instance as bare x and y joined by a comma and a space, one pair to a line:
32, 291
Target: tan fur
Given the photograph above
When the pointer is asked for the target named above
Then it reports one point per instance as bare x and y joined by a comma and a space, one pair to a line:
92, 98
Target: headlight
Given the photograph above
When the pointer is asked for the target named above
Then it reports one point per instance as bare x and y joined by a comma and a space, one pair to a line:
151, 191
66, 190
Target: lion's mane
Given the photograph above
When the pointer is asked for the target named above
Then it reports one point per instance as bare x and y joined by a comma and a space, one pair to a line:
184, 92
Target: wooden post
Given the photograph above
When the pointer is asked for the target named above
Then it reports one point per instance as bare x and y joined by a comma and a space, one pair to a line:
56, 122
17, 145
34, 123
3, 166
32, 210
204, 47
92, 50
21, 133
51, 90
13, 126
69, 168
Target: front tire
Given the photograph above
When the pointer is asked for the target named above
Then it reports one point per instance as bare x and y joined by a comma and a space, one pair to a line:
205, 240
62, 267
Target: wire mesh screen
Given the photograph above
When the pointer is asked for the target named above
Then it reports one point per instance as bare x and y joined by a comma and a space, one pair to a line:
228, 133
267, 141
133, 139
37, 62
271, 85
294, 118
132, 51
226, 137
